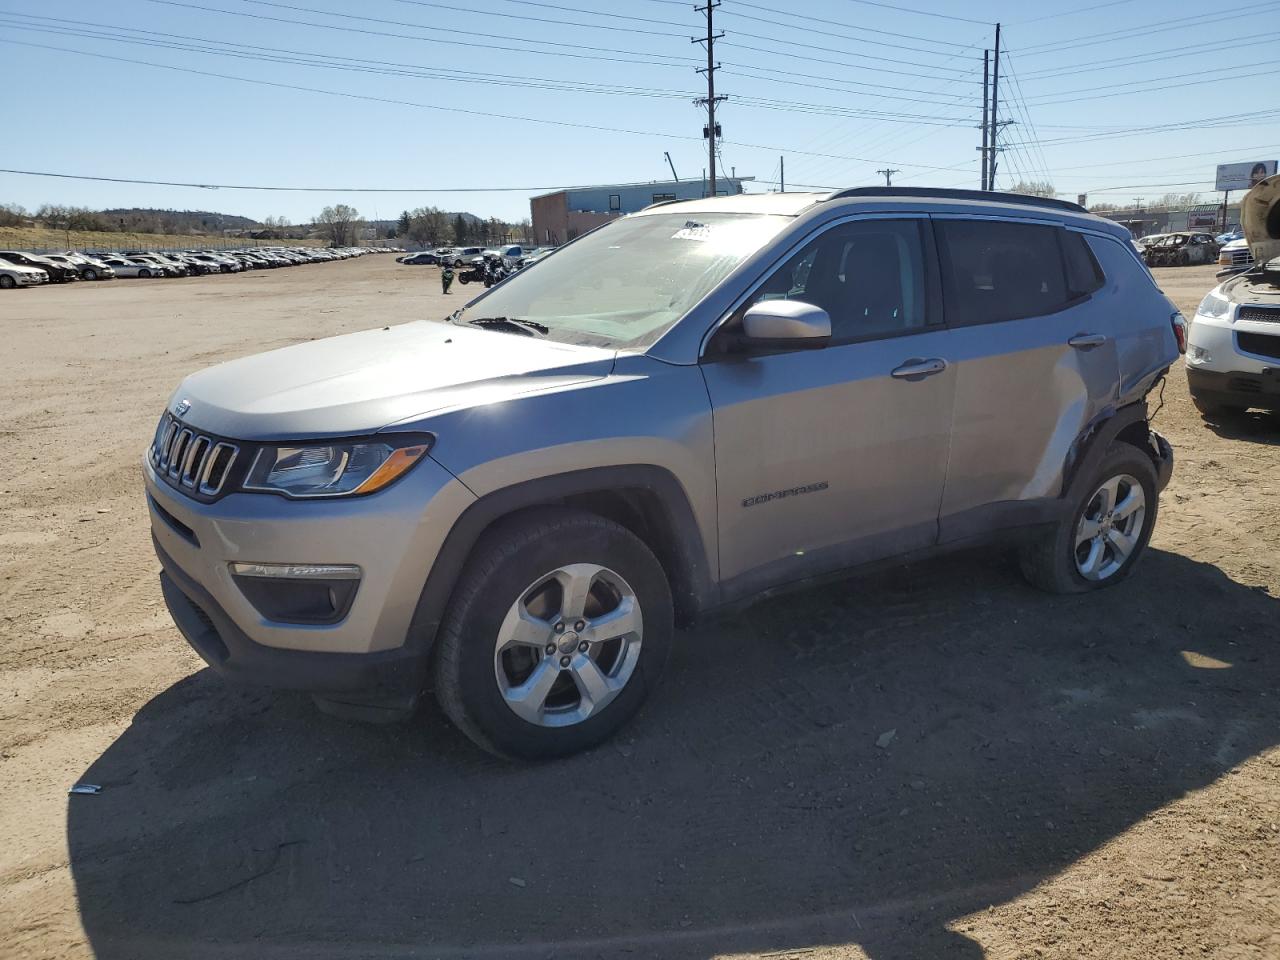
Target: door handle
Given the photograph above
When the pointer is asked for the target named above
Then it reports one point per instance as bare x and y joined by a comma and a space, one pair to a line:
916, 369
1083, 341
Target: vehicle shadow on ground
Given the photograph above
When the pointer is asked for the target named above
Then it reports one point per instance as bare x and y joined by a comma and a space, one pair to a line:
1253, 425
860, 764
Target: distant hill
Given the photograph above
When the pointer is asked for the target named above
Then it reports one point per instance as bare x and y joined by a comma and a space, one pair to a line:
175, 221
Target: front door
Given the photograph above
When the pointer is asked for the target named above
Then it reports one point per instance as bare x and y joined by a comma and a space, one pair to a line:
831, 457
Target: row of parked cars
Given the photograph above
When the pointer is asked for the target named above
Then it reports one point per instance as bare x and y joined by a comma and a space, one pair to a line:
19, 268
511, 255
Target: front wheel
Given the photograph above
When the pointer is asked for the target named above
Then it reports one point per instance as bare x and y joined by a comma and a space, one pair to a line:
1101, 540
559, 626
7, 282
144, 273
91, 274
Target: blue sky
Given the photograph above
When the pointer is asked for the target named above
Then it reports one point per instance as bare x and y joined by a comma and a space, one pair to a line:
840, 87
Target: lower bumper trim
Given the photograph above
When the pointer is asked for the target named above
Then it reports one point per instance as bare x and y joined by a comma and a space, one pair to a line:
383, 676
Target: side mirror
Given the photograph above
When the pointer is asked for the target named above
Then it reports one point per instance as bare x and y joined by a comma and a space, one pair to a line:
785, 325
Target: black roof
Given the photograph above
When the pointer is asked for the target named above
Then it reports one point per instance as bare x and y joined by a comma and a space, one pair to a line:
939, 193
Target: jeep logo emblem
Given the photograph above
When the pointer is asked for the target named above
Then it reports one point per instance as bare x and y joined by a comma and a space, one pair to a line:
182, 407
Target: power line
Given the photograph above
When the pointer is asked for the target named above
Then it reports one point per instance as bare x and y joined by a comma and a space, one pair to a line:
1047, 100
1154, 56
392, 68
678, 61
1069, 13
837, 23
449, 109
1142, 29
242, 186
923, 13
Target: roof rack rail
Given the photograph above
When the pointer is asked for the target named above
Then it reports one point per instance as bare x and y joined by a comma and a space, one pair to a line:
941, 193
663, 203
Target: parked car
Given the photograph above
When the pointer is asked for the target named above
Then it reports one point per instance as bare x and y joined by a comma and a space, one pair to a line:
1233, 351
1235, 257
463, 255
160, 266
424, 258
87, 267
1181, 249
129, 267
16, 275
1230, 235
220, 263
525, 498
57, 272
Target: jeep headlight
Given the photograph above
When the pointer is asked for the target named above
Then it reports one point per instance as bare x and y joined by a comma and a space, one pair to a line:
337, 469
1214, 305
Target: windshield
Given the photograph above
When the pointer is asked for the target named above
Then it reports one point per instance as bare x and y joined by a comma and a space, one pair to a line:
627, 283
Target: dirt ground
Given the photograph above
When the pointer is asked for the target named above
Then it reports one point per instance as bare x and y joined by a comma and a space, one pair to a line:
938, 761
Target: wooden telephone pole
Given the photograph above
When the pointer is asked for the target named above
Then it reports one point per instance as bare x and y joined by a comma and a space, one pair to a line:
712, 130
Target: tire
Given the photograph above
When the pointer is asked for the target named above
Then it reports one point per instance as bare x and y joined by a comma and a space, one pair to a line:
90, 274
1058, 561
144, 273
1210, 408
7, 282
457, 263
519, 565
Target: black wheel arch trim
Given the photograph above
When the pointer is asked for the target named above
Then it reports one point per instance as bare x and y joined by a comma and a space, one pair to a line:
694, 589
1128, 423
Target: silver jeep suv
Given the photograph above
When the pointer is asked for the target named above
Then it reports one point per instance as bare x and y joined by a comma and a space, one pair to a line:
676, 413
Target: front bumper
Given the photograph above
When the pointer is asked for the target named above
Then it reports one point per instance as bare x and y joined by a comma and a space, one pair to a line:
392, 536
1237, 388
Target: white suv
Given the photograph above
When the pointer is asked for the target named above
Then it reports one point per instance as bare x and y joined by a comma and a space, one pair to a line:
1233, 352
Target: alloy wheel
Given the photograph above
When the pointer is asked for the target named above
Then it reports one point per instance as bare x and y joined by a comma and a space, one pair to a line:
1110, 527
568, 645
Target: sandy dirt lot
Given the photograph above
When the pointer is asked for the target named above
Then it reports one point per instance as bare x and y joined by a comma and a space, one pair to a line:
938, 761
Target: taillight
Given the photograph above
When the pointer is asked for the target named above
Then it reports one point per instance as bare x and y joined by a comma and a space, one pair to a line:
1179, 323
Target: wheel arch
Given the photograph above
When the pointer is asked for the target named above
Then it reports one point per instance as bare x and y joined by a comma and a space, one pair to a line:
1128, 425
647, 500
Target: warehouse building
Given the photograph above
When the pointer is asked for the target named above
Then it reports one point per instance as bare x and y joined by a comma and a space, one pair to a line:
565, 214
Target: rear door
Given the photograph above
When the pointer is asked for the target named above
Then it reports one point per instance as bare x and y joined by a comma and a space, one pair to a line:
1035, 357
832, 457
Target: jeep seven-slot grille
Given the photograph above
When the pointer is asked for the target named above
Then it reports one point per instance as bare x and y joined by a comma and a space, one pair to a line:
190, 460
1264, 314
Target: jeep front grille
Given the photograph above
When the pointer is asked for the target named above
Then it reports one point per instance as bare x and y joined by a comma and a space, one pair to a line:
191, 460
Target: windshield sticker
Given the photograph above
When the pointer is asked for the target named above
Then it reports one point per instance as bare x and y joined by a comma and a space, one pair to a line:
692, 230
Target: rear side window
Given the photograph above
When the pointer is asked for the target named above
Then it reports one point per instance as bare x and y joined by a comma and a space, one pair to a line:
996, 271
1084, 275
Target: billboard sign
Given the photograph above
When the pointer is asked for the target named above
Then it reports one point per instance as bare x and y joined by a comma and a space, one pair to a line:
1242, 176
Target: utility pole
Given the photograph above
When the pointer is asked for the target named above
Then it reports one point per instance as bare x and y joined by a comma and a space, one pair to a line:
782, 174
995, 108
888, 176
986, 92
712, 130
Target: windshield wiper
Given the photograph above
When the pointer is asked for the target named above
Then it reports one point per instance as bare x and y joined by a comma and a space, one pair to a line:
526, 327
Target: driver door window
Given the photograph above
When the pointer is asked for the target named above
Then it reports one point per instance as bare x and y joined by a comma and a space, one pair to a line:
868, 276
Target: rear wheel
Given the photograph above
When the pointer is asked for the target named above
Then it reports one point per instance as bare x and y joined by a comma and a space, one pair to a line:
1102, 539
558, 627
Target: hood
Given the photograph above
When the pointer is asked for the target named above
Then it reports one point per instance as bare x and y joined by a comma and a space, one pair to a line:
1260, 219
359, 383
